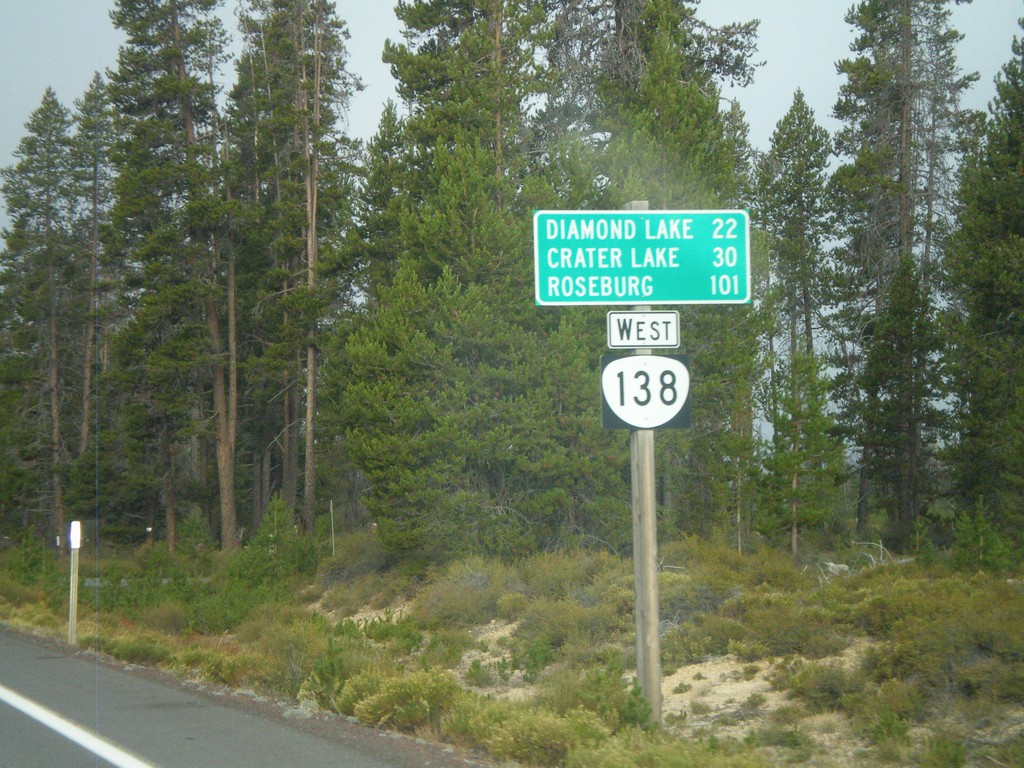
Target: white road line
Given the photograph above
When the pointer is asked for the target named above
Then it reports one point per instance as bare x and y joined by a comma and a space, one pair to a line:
69, 730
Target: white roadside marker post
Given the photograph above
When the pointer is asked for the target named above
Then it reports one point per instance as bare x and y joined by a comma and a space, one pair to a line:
75, 539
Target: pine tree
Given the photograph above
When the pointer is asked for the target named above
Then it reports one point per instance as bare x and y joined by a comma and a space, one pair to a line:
471, 411
804, 459
792, 208
671, 144
291, 93
804, 462
900, 417
91, 147
40, 289
374, 241
167, 226
598, 51
902, 127
450, 349
986, 280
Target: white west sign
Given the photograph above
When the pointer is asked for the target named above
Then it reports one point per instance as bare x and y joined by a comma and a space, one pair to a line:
643, 330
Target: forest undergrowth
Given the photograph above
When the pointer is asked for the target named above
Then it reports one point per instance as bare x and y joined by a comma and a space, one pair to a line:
857, 659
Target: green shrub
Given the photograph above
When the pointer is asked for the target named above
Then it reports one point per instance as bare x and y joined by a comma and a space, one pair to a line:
218, 607
754, 702
401, 635
682, 598
277, 554
410, 702
357, 554
445, 648
561, 575
602, 690
17, 594
153, 560
541, 737
966, 634
344, 658
653, 750
471, 720
783, 624
706, 635
217, 666
463, 595
943, 752
886, 725
553, 629
825, 687
512, 605
30, 562
195, 546
169, 617
133, 649
479, 675
722, 570
979, 544
786, 737
356, 689
346, 598
903, 699
289, 640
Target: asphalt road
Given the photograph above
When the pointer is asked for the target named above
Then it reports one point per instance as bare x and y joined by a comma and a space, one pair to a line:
59, 708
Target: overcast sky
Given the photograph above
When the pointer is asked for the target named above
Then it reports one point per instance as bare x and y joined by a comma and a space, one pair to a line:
61, 43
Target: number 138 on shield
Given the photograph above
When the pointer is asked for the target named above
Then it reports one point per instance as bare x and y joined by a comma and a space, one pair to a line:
645, 391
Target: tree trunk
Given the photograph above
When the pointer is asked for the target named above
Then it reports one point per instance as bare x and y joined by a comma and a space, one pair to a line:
93, 320
262, 462
906, 180
178, 65
53, 388
166, 457
290, 448
256, 478
309, 486
794, 537
53, 384
863, 493
311, 135
225, 446
499, 94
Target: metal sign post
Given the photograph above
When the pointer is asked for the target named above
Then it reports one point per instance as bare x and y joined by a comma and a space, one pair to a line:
645, 553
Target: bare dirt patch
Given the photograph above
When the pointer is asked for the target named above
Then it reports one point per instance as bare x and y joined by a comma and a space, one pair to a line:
730, 698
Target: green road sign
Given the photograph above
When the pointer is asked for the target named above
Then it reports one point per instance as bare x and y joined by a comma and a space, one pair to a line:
641, 257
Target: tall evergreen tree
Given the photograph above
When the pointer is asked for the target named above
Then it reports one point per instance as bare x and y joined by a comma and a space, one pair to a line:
900, 417
597, 50
292, 91
671, 143
167, 226
805, 458
986, 281
40, 291
93, 173
792, 208
902, 126
804, 462
374, 240
439, 404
